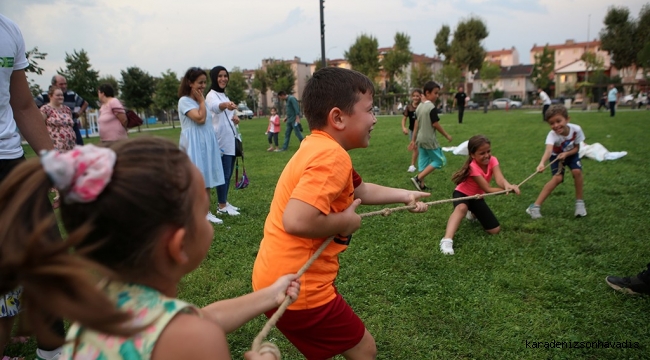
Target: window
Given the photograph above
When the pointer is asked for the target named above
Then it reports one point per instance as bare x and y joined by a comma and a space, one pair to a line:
562, 79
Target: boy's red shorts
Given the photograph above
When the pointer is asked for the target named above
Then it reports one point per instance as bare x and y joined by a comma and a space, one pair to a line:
322, 332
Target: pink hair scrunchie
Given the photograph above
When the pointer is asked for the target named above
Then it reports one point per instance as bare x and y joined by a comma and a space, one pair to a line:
81, 173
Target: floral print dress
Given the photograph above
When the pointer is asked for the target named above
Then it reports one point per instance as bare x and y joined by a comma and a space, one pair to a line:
147, 306
59, 125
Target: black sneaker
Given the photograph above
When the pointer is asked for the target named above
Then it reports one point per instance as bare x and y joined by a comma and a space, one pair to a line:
631, 285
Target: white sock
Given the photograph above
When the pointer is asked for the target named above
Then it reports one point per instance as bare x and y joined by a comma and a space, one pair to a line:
48, 354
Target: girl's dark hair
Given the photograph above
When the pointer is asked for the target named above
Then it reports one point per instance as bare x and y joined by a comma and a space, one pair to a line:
107, 89
190, 76
332, 87
114, 235
473, 144
416, 91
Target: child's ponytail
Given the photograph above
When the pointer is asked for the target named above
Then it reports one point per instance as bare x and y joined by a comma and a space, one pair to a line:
462, 174
55, 281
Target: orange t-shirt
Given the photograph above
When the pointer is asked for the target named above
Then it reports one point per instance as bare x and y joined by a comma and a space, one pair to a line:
321, 175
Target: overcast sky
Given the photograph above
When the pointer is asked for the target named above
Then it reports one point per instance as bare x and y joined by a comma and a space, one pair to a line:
177, 34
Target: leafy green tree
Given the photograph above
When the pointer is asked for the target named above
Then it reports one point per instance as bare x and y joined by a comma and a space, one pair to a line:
396, 59
449, 76
260, 84
465, 49
543, 68
110, 79
237, 87
33, 55
137, 88
280, 77
618, 37
643, 58
490, 73
420, 74
165, 97
81, 78
363, 55
441, 41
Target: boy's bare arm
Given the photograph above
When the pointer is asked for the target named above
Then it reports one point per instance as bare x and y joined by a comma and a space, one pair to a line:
304, 220
415, 135
566, 154
373, 194
438, 127
545, 157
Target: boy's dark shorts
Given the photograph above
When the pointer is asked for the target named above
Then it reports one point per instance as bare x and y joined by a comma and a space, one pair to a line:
573, 162
322, 332
480, 209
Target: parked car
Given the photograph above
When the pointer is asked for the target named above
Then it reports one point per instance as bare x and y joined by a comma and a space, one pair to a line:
630, 99
501, 103
472, 105
243, 112
375, 110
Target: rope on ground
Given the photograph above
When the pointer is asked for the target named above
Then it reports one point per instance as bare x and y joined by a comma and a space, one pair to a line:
257, 342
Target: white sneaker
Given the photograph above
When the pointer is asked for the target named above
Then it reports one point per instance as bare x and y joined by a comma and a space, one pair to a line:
231, 206
228, 210
41, 355
213, 219
411, 169
469, 216
447, 246
580, 209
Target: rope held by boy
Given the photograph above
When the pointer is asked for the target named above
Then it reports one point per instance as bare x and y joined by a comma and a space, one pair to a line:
257, 342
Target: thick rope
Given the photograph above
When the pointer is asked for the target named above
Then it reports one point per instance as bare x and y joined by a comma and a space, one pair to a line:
257, 343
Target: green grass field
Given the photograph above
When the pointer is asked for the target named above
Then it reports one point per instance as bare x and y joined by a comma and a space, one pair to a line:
537, 281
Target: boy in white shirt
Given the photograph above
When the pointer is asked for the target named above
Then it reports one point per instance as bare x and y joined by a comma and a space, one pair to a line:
563, 143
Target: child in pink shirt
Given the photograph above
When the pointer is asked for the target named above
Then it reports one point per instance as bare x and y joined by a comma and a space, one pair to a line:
472, 179
273, 130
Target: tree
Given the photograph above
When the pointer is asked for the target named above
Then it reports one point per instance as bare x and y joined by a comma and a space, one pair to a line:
280, 77
396, 59
363, 55
449, 76
618, 37
260, 84
237, 86
137, 88
166, 93
465, 49
420, 74
490, 73
33, 55
81, 78
643, 59
441, 41
111, 80
543, 68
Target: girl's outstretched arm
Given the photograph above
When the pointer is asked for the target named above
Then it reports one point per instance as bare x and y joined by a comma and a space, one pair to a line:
231, 314
502, 182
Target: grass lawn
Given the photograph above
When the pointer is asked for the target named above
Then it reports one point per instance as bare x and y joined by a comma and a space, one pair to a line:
537, 281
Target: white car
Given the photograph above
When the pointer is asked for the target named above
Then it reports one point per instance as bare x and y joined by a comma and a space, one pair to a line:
629, 99
501, 103
243, 112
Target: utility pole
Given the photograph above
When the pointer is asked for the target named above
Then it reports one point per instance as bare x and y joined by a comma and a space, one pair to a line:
322, 33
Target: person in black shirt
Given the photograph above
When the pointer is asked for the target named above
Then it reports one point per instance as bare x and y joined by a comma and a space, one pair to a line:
460, 100
409, 113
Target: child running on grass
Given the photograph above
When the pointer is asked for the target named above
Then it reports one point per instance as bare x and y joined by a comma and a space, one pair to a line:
472, 179
315, 198
563, 143
135, 215
430, 156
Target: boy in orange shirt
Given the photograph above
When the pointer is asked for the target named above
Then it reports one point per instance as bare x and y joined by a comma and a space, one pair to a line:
315, 198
